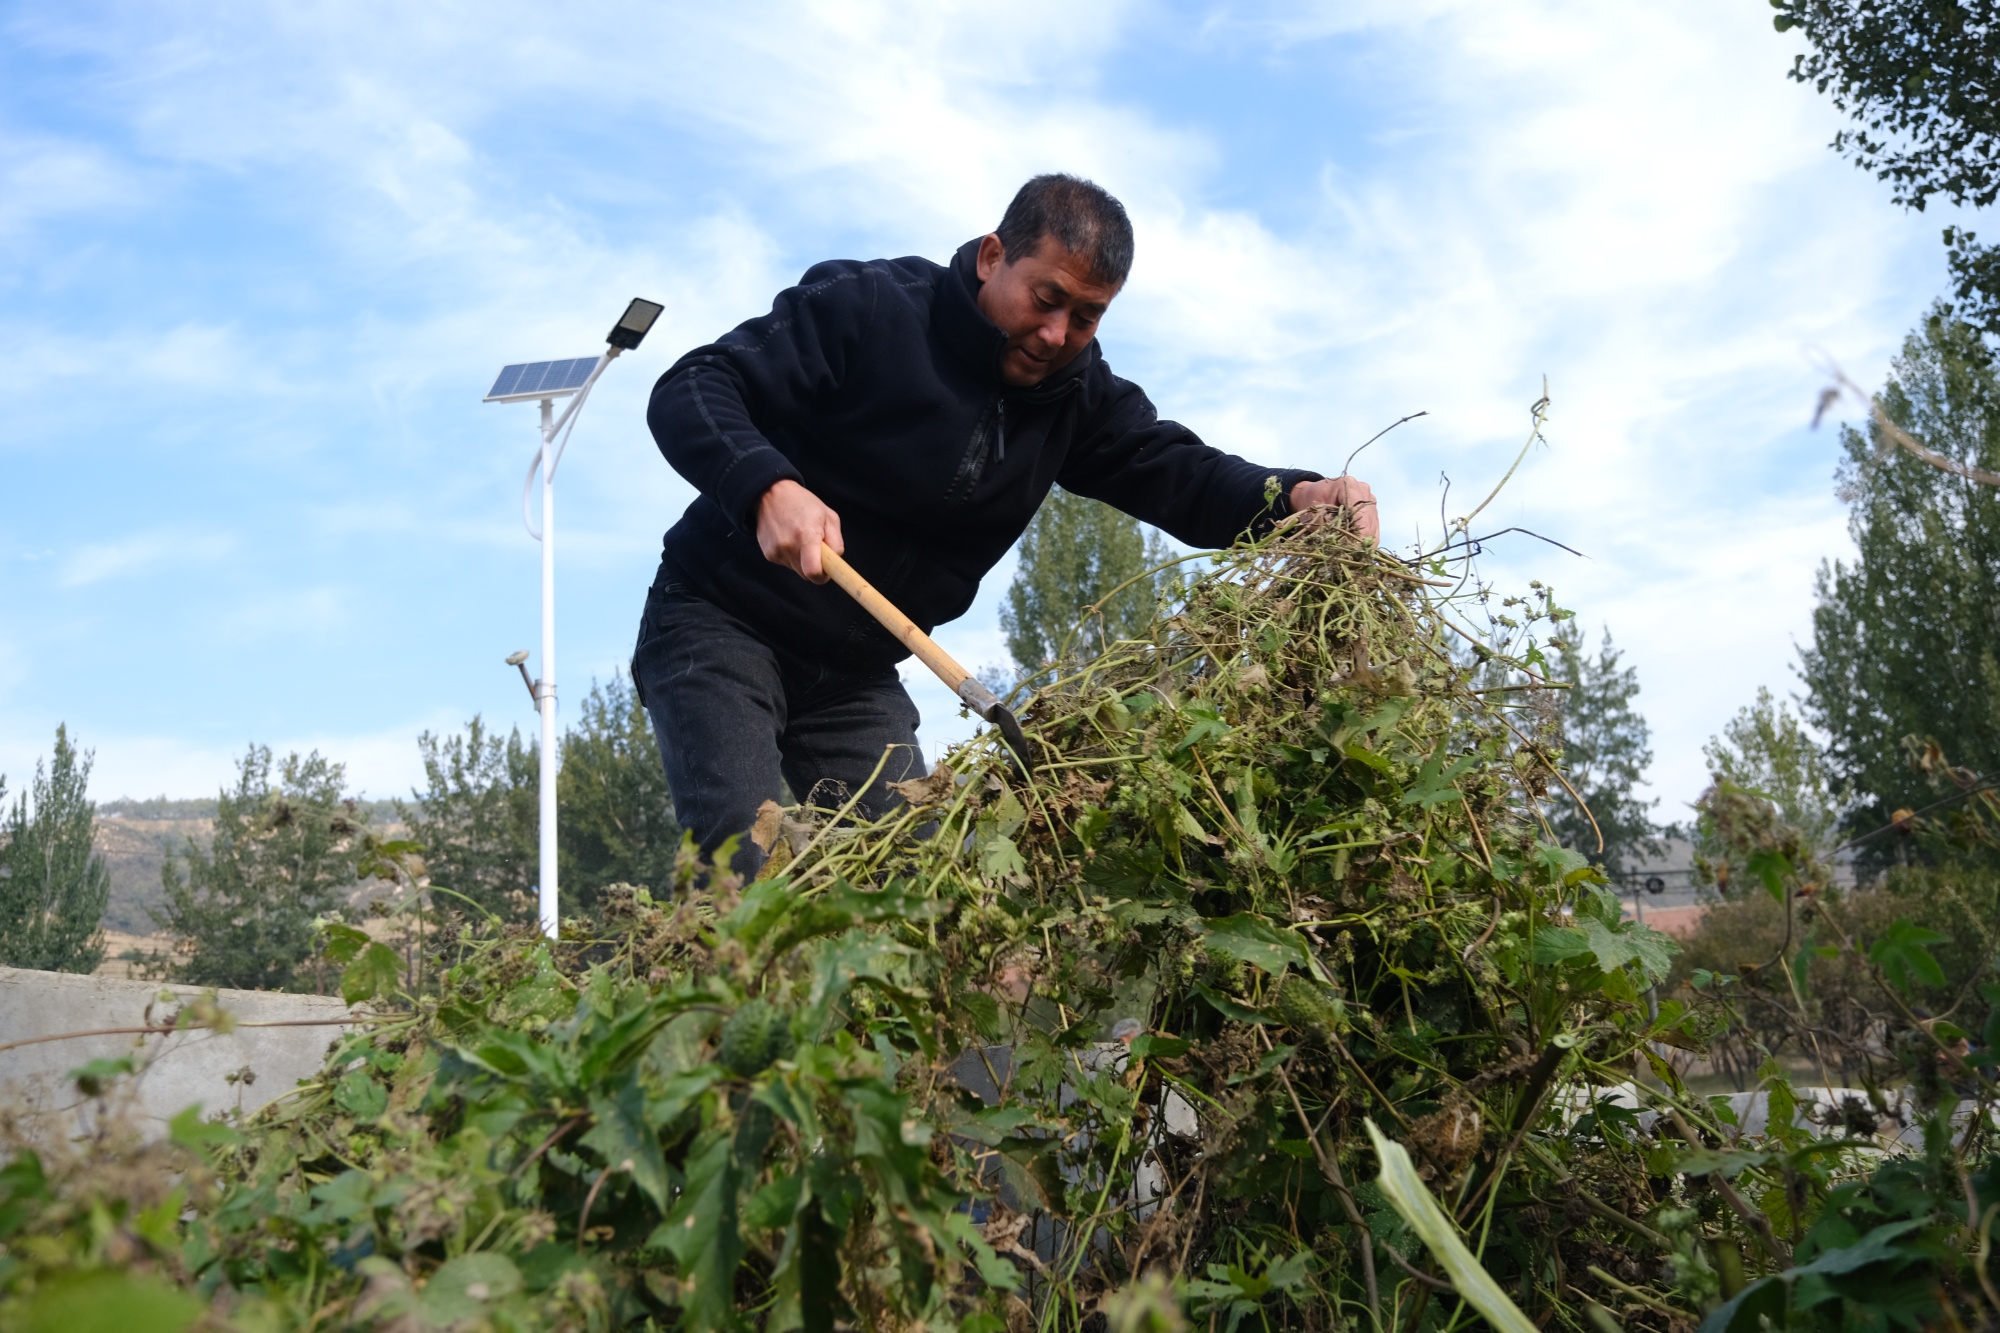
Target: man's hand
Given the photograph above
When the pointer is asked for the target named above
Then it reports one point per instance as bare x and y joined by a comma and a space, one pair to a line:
1347, 492
791, 523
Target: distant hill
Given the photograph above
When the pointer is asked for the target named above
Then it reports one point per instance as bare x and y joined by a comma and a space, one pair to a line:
135, 837
135, 847
203, 807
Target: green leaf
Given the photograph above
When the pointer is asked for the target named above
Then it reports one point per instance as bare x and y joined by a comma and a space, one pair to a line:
548, 1263
343, 941
1406, 1194
844, 961
1228, 1007
188, 1130
1630, 942
703, 1234
1903, 954
892, 902
774, 1206
615, 1047
1188, 826
1147, 1046
1763, 1302
820, 1303
765, 903
1255, 940
1758, 1306
349, 1195
1000, 859
625, 1141
374, 973
1727, 1163
462, 1290
103, 1300
1274, 1057
360, 1096
1361, 754
1559, 944
984, 1011
1565, 865
1611, 948
23, 1183
1206, 725
1435, 783
996, 1124
1388, 715
1874, 1248
91, 1078
1770, 868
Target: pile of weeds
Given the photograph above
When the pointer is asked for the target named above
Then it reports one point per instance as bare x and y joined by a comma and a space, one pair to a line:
1097, 1041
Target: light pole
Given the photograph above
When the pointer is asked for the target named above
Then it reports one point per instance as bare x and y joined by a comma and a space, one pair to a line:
546, 381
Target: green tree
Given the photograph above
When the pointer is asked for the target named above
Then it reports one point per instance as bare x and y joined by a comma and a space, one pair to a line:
283, 854
1918, 77
1766, 748
1906, 639
1606, 747
476, 817
617, 818
1075, 552
53, 884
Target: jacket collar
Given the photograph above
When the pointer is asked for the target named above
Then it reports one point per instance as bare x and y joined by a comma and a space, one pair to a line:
978, 342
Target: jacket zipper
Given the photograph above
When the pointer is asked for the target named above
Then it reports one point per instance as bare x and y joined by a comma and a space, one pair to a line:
973, 466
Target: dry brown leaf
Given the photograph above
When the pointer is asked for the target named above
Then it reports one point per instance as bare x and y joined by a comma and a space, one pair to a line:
770, 817
932, 790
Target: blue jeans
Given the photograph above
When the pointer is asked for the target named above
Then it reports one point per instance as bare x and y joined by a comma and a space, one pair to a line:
733, 715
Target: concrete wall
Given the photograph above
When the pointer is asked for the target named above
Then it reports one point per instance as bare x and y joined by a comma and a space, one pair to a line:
179, 1070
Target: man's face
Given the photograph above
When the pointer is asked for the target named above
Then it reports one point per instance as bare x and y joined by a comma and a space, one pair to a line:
1046, 303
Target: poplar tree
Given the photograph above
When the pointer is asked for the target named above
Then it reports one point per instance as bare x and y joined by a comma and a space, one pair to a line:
53, 883
1075, 553
283, 854
1766, 748
617, 823
476, 818
1606, 747
1906, 637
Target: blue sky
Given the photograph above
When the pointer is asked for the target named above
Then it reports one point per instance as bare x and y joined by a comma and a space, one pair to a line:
258, 262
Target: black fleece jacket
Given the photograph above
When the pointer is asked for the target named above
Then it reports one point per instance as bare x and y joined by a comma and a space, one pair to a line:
877, 386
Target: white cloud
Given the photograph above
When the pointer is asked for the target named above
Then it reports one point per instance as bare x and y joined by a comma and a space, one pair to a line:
1634, 201
44, 177
143, 553
1639, 204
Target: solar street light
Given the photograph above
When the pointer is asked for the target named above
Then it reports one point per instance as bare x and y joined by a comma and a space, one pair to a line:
634, 324
544, 382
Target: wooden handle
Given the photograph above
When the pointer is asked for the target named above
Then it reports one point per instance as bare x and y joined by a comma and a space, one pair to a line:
898, 624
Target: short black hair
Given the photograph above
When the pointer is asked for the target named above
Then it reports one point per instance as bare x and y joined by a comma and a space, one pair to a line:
1082, 217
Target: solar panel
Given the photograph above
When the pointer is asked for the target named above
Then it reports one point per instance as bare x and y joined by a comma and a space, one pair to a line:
540, 379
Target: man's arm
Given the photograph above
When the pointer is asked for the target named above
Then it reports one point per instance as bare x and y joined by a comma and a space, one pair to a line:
705, 409
1161, 472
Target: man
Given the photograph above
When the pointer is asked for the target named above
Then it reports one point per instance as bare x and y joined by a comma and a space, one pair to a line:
913, 417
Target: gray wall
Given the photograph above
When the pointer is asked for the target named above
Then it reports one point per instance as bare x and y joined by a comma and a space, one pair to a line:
178, 1070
